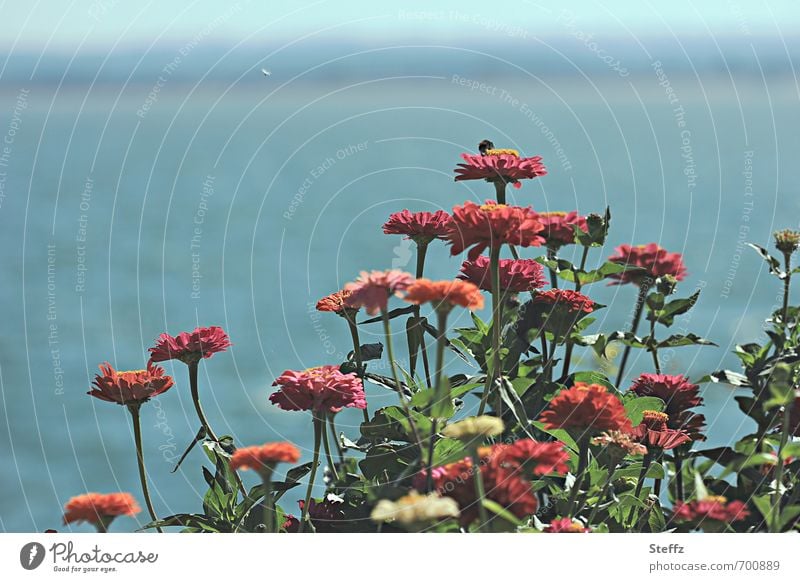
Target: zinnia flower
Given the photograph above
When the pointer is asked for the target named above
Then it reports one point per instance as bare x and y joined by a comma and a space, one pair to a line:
516, 275
566, 525
421, 227
585, 408
190, 348
654, 433
415, 508
656, 261
335, 303
372, 289
322, 389
618, 444
528, 454
445, 294
715, 508
132, 387
325, 514
559, 227
503, 165
265, 457
99, 508
561, 309
492, 225
679, 395
474, 426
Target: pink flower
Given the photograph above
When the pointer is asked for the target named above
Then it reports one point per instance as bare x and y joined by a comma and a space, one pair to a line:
516, 275
372, 290
502, 165
322, 389
190, 348
422, 227
656, 261
559, 227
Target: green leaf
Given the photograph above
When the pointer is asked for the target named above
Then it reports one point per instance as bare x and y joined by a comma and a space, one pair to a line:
773, 263
442, 405
666, 315
501, 511
635, 407
394, 313
559, 434
593, 377
700, 490
725, 377
690, 339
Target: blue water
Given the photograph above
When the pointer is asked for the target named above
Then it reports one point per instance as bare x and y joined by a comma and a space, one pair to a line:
274, 195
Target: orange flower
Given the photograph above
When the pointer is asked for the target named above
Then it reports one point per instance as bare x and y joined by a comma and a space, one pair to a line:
445, 294
335, 302
134, 387
99, 508
586, 408
264, 457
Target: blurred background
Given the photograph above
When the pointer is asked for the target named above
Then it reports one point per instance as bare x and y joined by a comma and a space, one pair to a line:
164, 166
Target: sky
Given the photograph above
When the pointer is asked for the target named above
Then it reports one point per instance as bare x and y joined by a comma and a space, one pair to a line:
35, 25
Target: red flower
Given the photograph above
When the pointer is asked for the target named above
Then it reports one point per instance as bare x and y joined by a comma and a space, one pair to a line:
679, 395
656, 261
133, 387
542, 458
264, 457
335, 302
99, 508
291, 524
372, 290
559, 227
445, 294
516, 275
492, 225
565, 300
422, 227
322, 389
713, 508
566, 525
654, 433
190, 348
500, 165
585, 408
504, 486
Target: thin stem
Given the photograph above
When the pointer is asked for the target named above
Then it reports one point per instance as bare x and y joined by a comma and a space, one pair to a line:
403, 402
326, 444
679, 491
646, 461
654, 349
551, 256
491, 375
335, 434
583, 463
603, 495
441, 343
787, 260
318, 428
637, 317
776, 496
269, 514
351, 324
422, 250
480, 494
584, 256
431, 447
193, 384
500, 190
137, 437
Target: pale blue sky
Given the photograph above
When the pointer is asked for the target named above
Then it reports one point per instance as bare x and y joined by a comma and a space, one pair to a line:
34, 24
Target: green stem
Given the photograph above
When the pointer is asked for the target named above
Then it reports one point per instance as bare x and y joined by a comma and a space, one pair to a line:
583, 464
398, 385
269, 514
351, 324
787, 260
318, 428
551, 256
193, 384
137, 437
646, 461
776, 496
335, 434
441, 344
500, 190
326, 444
480, 493
491, 375
637, 317
603, 495
654, 348
679, 491
422, 250
584, 256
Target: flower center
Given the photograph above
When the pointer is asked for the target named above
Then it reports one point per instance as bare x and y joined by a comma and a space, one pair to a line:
553, 213
655, 420
131, 372
492, 207
502, 152
716, 499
